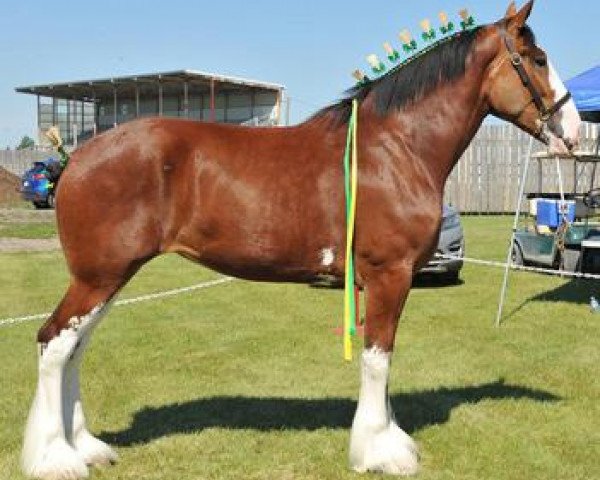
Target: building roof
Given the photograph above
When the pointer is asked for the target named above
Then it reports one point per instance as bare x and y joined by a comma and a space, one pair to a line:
88, 90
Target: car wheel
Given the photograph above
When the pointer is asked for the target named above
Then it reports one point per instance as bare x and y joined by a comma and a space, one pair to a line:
50, 200
517, 256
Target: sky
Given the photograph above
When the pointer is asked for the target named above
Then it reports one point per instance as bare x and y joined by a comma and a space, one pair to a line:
309, 46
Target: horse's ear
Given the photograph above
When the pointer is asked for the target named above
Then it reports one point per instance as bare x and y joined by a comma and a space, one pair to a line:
511, 11
518, 20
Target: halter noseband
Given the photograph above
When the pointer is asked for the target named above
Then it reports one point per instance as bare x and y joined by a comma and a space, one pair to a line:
545, 114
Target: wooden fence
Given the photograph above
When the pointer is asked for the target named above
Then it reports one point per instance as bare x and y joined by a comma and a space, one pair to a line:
17, 161
486, 178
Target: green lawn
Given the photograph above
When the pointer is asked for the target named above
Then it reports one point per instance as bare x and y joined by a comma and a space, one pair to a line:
26, 222
247, 381
27, 230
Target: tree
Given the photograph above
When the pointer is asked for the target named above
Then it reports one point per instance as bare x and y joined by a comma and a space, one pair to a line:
26, 142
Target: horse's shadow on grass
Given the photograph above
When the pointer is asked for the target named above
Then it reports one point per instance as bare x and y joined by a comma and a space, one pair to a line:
414, 411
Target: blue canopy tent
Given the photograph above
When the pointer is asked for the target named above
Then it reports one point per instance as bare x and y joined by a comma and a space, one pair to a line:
585, 89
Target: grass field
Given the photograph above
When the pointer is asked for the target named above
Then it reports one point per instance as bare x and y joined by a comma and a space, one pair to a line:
246, 380
26, 222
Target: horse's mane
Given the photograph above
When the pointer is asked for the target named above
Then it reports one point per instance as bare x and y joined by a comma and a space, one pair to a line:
409, 81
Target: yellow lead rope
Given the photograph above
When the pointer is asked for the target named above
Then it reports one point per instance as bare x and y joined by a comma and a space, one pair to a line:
349, 298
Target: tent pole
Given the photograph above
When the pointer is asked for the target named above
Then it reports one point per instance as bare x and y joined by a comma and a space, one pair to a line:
514, 231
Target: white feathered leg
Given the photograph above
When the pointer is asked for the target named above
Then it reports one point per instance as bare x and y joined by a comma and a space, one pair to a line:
46, 453
56, 418
92, 450
377, 444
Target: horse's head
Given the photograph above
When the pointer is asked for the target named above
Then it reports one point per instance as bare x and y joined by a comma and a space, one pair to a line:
525, 89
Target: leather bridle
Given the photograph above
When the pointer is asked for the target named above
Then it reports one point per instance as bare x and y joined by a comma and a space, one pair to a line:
545, 114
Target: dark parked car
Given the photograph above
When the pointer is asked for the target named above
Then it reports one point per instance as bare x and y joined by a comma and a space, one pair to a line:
451, 243
37, 184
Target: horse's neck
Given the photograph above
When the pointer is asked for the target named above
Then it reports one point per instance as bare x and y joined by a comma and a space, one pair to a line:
437, 129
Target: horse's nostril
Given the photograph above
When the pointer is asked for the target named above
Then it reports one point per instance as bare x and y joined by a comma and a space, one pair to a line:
570, 143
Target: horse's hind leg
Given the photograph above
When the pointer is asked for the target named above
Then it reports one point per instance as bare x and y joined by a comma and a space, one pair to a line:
57, 444
92, 450
377, 444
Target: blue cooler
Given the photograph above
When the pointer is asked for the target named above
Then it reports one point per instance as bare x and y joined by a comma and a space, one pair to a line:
549, 215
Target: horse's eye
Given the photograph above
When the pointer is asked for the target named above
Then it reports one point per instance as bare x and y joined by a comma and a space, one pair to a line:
540, 61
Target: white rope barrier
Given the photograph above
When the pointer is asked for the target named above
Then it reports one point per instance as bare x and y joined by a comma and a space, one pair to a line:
524, 268
127, 301
212, 283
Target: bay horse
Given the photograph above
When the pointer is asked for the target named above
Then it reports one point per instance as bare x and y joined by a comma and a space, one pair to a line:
267, 204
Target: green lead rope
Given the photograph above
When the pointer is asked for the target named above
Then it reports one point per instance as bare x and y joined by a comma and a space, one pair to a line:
350, 184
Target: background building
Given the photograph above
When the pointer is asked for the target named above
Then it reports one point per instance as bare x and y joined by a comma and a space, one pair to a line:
83, 108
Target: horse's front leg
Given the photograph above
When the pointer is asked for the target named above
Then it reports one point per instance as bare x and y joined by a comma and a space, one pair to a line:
377, 444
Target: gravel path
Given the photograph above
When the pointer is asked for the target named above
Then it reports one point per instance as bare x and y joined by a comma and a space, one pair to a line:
23, 215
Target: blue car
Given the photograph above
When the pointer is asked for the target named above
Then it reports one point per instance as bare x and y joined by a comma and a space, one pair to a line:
37, 186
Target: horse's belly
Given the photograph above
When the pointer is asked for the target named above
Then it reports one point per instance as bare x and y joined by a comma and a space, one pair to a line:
267, 257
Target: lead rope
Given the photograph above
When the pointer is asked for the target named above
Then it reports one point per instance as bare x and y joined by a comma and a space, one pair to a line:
350, 183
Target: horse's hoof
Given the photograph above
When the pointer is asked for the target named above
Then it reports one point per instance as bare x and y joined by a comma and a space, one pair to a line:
390, 451
94, 451
59, 462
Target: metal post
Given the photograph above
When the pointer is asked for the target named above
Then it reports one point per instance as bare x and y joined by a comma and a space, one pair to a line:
160, 99
82, 117
115, 118
278, 103
287, 110
53, 110
514, 231
137, 100
39, 119
186, 109
561, 189
212, 100
68, 129
96, 113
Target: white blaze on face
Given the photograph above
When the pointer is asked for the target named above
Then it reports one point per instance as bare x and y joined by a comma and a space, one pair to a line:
566, 122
